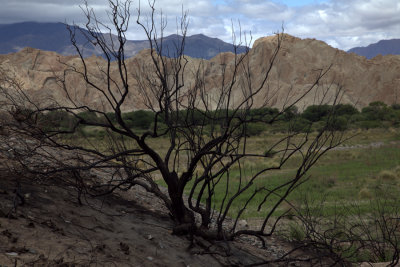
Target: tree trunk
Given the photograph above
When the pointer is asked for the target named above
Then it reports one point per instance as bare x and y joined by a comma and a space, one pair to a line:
180, 213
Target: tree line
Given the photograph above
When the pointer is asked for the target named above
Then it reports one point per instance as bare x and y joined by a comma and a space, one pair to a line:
376, 115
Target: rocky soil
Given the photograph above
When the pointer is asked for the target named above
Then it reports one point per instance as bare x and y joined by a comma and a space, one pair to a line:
51, 228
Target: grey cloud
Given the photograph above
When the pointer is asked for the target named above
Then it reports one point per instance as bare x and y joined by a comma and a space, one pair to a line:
342, 23
39, 10
349, 23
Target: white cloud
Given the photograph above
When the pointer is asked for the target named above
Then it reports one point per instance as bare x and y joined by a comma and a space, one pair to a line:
346, 24
341, 23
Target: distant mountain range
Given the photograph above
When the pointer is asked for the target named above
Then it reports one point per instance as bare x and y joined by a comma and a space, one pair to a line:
383, 47
55, 37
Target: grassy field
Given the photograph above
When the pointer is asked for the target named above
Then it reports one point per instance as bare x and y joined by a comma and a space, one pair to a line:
349, 186
363, 168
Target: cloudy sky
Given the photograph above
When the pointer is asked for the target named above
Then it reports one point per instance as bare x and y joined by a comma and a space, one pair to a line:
341, 23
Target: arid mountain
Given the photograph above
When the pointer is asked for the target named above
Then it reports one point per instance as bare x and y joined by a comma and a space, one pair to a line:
383, 47
298, 63
55, 37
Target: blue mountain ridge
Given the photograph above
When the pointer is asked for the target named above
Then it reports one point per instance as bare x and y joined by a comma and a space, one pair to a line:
55, 37
383, 47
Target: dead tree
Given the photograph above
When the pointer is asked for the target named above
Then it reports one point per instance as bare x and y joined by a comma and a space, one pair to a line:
205, 127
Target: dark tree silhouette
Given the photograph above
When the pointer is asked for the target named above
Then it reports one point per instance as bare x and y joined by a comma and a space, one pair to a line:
204, 163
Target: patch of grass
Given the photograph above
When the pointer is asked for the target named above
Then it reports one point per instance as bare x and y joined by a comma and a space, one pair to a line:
347, 175
296, 233
365, 193
387, 175
341, 176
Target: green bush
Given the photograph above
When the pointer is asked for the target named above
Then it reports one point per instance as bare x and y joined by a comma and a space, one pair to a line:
263, 114
377, 111
316, 113
290, 113
57, 119
314, 118
300, 124
339, 123
88, 116
255, 128
395, 106
111, 117
345, 109
141, 119
318, 126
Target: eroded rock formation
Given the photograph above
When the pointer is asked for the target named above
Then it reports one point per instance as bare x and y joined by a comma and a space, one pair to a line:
296, 67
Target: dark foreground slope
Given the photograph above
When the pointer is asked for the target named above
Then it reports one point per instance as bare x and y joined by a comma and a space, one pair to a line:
52, 229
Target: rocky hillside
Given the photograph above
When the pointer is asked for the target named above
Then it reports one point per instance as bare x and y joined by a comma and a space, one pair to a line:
383, 47
298, 63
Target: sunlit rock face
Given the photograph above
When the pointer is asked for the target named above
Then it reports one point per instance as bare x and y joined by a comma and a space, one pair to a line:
296, 66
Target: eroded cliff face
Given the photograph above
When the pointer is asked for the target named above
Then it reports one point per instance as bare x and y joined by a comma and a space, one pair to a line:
296, 67
362, 80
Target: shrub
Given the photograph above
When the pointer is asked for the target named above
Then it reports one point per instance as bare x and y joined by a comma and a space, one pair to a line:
296, 233
387, 175
316, 113
290, 113
300, 125
377, 111
345, 109
141, 119
338, 124
111, 117
364, 194
395, 106
255, 128
57, 119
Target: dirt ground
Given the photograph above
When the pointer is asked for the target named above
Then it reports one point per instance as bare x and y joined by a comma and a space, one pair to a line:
131, 228
52, 229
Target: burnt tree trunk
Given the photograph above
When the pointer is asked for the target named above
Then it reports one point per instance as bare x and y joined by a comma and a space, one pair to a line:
180, 213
